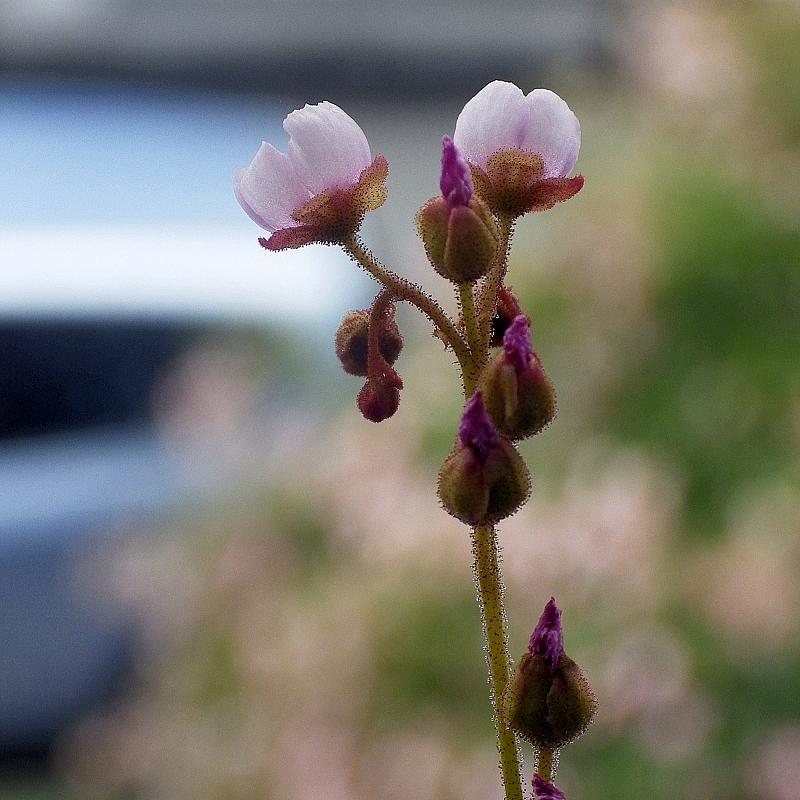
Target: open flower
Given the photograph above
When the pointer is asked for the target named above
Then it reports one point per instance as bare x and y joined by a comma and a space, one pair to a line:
320, 189
521, 147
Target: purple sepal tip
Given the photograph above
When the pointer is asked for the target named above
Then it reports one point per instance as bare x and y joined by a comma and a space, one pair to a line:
456, 180
517, 343
544, 790
477, 429
547, 639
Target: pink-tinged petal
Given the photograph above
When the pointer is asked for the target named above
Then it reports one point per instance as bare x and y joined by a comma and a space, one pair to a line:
326, 147
269, 189
494, 119
553, 132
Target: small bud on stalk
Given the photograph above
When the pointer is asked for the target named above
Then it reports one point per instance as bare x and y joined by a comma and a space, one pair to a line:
548, 700
352, 340
484, 479
457, 229
519, 396
379, 398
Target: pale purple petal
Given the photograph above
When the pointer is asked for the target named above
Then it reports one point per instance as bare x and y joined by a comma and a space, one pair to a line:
544, 790
494, 119
517, 343
547, 639
269, 189
477, 430
553, 132
456, 180
326, 147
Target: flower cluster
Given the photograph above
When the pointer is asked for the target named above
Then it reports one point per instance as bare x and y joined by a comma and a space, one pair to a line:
510, 154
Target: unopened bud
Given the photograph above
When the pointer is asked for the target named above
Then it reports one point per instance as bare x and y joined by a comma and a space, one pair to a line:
379, 398
519, 396
352, 340
484, 479
457, 229
548, 701
544, 790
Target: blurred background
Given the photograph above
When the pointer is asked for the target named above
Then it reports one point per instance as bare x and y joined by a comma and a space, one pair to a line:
217, 581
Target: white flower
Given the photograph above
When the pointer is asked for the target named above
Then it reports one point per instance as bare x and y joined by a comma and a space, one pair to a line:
327, 151
501, 117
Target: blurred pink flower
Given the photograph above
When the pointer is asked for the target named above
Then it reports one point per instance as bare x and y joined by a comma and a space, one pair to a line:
777, 770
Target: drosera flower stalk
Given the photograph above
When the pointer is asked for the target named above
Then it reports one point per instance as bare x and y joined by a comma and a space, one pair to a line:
510, 154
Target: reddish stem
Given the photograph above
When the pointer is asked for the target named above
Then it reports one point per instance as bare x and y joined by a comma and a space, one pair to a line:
377, 366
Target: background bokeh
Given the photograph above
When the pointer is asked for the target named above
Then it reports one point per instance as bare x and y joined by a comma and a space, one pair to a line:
287, 612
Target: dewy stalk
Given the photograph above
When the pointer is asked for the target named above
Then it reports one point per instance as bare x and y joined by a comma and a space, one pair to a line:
510, 154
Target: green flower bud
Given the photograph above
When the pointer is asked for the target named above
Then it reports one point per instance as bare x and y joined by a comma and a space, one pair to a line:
460, 242
519, 396
548, 700
484, 479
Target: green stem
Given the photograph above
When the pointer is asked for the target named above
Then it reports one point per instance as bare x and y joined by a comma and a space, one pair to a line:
494, 280
490, 595
403, 289
477, 351
546, 763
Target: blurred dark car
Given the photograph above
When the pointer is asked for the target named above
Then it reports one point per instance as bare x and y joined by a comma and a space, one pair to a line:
79, 460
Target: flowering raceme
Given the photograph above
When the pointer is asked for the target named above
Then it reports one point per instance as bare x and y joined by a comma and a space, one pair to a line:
320, 189
521, 147
511, 153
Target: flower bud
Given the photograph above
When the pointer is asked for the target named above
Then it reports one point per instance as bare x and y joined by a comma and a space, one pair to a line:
484, 479
457, 229
544, 790
519, 396
379, 398
352, 340
548, 700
